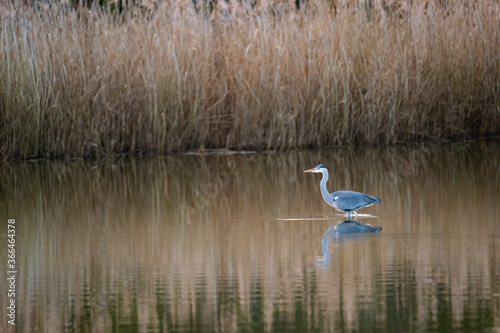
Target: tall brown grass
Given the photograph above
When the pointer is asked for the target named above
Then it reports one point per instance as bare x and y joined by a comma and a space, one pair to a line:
86, 82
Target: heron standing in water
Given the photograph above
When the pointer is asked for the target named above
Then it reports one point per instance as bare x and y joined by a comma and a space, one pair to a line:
348, 201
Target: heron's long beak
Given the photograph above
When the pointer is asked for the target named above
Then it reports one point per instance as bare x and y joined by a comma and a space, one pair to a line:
310, 170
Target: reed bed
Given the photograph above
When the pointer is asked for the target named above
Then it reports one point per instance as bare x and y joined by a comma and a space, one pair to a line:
176, 77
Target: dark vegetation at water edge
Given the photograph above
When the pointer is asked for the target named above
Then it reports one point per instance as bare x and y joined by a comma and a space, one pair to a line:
177, 76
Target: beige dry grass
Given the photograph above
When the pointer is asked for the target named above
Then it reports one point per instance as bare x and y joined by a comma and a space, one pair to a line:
270, 77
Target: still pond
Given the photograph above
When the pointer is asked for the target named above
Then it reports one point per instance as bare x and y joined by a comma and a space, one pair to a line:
245, 242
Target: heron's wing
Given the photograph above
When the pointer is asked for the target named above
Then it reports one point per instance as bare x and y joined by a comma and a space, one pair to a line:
351, 201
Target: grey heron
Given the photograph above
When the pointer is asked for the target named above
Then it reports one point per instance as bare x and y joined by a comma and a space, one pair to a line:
347, 201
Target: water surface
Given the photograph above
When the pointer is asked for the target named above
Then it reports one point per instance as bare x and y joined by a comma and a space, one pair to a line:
205, 243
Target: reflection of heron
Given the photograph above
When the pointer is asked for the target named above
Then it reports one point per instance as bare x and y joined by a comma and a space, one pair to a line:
346, 231
348, 201
350, 228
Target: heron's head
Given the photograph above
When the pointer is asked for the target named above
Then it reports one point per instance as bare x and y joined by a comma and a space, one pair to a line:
318, 169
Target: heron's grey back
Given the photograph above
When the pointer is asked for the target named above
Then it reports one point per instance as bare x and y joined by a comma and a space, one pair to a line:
352, 201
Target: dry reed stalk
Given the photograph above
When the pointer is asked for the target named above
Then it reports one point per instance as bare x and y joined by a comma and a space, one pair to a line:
241, 77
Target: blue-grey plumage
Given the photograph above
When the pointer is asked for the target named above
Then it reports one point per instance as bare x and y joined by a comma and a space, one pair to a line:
347, 201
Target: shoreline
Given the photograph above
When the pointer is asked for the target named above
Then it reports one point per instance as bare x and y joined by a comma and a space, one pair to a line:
230, 152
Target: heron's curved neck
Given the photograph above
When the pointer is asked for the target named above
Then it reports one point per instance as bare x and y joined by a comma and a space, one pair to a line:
322, 184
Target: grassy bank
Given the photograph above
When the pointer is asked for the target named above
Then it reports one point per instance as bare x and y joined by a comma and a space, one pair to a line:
269, 77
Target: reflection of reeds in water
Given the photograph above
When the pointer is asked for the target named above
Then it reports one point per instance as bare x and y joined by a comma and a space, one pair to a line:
253, 77
135, 243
